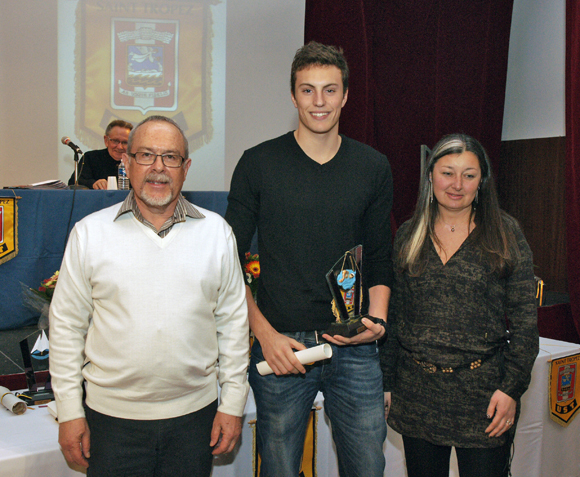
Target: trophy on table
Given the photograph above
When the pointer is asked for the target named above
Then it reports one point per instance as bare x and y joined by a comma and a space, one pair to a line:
34, 395
345, 282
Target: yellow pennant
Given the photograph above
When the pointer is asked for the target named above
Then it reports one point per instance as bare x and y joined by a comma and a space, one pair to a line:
8, 228
564, 389
141, 58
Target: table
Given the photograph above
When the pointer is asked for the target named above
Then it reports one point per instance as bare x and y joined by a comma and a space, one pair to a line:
28, 443
29, 447
543, 447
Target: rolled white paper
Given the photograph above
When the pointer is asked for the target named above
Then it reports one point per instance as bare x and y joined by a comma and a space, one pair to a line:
310, 355
11, 402
111, 183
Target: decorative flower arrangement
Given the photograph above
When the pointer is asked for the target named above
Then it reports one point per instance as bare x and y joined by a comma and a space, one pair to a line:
252, 269
38, 300
46, 288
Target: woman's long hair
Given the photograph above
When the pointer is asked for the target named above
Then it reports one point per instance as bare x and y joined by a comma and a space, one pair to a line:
491, 235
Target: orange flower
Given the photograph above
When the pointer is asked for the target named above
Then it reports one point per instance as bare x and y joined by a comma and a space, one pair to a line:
253, 268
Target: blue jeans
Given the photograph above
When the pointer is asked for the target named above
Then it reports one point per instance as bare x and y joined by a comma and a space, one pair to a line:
352, 384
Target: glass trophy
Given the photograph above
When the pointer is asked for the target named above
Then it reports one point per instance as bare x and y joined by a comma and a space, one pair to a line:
34, 395
345, 282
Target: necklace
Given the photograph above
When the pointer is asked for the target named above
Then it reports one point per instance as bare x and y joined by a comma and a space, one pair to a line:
452, 227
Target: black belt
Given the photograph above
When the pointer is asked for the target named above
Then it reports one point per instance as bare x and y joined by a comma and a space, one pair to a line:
433, 368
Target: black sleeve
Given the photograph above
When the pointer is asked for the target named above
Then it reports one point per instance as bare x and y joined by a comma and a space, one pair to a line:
521, 312
377, 232
390, 348
243, 206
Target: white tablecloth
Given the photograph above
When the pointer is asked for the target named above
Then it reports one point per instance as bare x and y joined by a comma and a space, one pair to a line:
543, 448
29, 445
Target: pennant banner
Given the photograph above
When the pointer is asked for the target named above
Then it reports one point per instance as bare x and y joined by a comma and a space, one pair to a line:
8, 228
142, 58
564, 389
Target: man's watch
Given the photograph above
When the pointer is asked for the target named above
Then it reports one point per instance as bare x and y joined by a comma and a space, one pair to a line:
381, 322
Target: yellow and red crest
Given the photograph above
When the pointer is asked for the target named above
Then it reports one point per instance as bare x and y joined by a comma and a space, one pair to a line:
140, 58
8, 228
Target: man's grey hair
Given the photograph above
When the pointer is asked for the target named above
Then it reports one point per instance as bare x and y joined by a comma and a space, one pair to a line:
159, 119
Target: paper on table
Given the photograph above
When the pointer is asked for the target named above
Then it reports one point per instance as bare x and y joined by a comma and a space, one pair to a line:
310, 355
52, 409
11, 402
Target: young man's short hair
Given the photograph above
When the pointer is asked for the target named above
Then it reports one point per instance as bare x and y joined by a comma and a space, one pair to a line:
317, 54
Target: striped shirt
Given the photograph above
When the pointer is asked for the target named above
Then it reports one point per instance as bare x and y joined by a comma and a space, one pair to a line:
183, 209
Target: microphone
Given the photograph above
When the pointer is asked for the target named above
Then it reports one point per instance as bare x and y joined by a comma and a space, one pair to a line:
67, 142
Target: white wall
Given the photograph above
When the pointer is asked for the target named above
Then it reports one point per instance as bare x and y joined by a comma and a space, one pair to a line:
28, 91
260, 52
534, 104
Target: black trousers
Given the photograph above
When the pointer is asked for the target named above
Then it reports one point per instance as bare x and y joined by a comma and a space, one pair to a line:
429, 460
137, 448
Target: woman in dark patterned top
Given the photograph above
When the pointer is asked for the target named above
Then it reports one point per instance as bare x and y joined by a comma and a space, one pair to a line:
464, 277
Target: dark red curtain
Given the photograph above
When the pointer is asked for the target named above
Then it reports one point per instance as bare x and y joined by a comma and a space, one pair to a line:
420, 69
573, 155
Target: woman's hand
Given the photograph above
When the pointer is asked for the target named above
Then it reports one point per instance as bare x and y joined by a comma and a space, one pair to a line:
502, 409
387, 404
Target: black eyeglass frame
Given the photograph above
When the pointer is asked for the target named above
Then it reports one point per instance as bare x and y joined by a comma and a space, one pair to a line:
134, 155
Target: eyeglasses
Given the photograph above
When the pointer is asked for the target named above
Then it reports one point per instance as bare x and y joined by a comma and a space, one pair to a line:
116, 142
148, 158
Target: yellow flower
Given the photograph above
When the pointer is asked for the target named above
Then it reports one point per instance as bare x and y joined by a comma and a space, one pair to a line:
51, 282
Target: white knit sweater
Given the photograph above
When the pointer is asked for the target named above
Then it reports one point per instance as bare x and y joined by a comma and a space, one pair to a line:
149, 317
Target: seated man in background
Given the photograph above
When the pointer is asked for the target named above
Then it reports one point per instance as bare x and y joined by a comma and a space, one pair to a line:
98, 165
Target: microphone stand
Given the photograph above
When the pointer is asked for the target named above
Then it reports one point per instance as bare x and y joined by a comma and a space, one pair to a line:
76, 185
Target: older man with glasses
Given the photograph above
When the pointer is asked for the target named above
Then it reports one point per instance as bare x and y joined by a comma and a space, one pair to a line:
96, 166
150, 298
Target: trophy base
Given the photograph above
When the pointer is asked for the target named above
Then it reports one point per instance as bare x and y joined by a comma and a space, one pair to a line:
349, 328
34, 398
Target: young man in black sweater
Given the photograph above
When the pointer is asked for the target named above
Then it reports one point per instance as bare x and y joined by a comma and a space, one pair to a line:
313, 194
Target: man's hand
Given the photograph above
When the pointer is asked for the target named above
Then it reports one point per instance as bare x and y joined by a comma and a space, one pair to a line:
373, 332
503, 410
225, 433
75, 442
101, 184
278, 350
379, 296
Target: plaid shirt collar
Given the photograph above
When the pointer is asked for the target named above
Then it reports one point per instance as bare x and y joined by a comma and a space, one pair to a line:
183, 209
